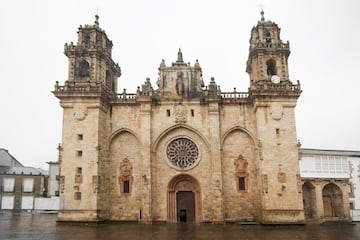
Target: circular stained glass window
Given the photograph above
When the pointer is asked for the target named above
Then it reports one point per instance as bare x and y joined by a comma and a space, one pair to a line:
182, 153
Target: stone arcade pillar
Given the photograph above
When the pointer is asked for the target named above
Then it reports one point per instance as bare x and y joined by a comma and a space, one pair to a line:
319, 200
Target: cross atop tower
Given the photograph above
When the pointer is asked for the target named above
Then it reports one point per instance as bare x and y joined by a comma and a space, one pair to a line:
97, 20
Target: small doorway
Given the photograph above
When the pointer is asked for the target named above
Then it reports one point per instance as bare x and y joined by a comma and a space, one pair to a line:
185, 201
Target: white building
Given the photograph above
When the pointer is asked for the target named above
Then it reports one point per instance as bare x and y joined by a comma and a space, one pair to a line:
337, 169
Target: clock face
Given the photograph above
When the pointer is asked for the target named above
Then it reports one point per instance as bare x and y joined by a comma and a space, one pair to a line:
275, 79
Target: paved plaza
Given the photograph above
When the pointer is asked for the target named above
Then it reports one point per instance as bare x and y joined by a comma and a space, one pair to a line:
43, 226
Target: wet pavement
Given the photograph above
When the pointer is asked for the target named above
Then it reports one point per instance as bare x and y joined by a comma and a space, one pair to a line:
43, 226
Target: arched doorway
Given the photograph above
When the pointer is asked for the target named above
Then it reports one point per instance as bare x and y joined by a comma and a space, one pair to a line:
184, 199
332, 201
309, 200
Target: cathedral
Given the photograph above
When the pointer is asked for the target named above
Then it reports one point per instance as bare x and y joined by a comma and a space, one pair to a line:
179, 150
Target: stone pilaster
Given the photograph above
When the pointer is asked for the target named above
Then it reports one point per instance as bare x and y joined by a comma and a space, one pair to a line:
214, 128
145, 136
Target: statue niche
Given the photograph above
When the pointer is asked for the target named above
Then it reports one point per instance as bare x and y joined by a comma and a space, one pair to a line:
241, 173
180, 84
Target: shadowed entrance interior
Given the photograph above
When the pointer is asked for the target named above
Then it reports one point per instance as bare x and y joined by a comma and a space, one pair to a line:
185, 206
184, 201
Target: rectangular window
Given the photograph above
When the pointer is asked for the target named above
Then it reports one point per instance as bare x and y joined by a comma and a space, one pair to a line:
79, 153
192, 112
126, 186
78, 175
27, 202
7, 202
8, 184
242, 183
80, 137
351, 205
168, 112
28, 184
77, 196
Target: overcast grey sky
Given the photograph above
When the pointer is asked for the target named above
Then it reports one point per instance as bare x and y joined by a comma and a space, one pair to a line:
324, 40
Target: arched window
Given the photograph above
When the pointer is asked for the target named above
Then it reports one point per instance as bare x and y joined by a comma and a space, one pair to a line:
271, 67
86, 39
84, 67
267, 36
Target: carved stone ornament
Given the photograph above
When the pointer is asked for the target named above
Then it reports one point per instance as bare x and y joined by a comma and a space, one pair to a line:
80, 112
282, 177
126, 168
241, 166
180, 113
276, 111
62, 183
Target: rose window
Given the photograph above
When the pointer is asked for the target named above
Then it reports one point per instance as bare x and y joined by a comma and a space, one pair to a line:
182, 152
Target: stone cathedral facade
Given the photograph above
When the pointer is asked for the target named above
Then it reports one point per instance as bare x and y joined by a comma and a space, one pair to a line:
179, 150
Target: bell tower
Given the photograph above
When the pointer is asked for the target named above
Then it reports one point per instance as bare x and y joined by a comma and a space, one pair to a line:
90, 60
268, 54
274, 98
86, 101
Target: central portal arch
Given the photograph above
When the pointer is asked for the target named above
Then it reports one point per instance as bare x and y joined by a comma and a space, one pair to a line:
184, 199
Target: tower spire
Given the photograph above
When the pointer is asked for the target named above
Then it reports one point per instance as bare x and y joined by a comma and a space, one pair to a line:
262, 15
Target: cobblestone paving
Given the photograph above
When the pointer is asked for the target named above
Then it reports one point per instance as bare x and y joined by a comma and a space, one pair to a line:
43, 226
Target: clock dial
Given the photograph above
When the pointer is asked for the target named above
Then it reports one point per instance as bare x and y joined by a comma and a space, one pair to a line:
275, 79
